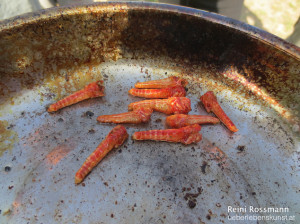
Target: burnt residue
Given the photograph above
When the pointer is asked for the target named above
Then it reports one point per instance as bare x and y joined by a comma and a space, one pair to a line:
192, 204
7, 168
158, 120
91, 131
209, 215
203, 167
241, 148
60, 119
89, 114
8, 137
191, 198
35, 52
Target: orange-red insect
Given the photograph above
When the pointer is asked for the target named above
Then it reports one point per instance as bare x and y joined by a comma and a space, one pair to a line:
161, 83
134, 117
181, 120
186, 135
178, 91
114, 139
172, 105
94, 89
211, 104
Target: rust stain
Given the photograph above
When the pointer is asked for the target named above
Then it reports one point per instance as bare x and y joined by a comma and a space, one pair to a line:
58, 153
3, 89
17, 203
7, 137
7, 212
34, 137
216, 154
5, 93
71, 81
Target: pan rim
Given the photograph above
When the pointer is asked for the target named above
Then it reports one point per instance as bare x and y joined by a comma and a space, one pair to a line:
55, 12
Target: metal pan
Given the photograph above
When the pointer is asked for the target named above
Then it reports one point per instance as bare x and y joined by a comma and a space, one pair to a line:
47, 55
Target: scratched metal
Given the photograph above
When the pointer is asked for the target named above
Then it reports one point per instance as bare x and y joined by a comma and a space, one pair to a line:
47, 55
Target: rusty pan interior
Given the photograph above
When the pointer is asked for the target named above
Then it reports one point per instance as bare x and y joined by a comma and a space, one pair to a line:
47, 55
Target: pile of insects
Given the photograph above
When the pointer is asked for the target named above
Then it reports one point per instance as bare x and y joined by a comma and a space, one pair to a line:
166, 96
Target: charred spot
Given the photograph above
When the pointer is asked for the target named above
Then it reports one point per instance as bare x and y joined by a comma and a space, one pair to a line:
7, 168
192, 204
89, 114
10, 126
67, 78
203, 167
199, 190
91, 131
241, 148
191, 198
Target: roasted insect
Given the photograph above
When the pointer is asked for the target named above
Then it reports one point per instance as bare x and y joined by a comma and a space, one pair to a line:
178, 91
182, 120
172, 105
161, 83
211, 104
114, 139
92, 90
134, 117
186, 135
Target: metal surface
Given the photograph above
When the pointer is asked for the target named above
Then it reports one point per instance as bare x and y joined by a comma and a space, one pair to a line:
47, 55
